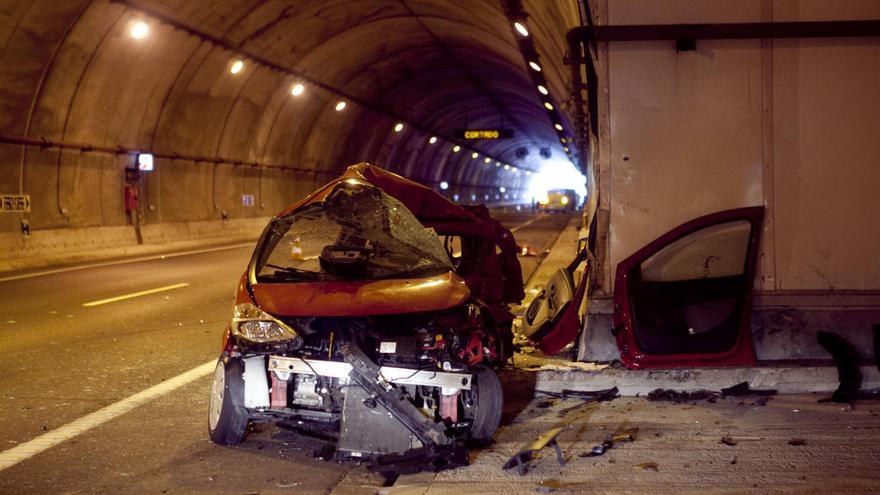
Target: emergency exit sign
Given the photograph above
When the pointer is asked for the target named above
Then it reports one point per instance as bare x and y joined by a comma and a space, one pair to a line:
15, 203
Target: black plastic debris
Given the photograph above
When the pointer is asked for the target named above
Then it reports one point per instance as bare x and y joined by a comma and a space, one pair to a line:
589, 395
522, 458
797, 442
742, 389
434, 459
325, 452
679, 396
621, 435
846, 358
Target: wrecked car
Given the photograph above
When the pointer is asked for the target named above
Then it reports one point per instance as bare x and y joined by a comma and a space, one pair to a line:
373, 311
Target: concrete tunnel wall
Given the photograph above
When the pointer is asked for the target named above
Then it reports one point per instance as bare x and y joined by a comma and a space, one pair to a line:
74, 74
791, 124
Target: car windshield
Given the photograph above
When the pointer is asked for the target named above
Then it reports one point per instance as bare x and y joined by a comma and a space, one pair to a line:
357, 233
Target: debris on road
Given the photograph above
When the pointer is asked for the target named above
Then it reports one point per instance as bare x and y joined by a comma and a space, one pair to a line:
679, 396
528, 453
621, 435
528, 250
728, 440
588, 395
742, 389
325, 452
797, 442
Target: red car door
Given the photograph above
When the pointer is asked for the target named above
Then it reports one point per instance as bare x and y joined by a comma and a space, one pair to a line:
685, 299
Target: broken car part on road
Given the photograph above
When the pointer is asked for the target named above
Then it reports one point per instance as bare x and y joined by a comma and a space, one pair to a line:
522, 458
621, 435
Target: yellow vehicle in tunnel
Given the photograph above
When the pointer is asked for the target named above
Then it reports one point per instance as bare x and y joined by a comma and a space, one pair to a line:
562, 200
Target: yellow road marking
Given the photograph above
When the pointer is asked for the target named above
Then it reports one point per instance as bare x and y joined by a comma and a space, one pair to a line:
135, 294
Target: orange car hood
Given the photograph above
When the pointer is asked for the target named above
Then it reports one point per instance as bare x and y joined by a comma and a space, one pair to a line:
361, 298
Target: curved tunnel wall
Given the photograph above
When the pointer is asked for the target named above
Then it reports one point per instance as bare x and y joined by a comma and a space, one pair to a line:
74, 74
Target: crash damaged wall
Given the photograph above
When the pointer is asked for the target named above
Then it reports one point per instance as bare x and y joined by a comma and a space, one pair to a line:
789, 124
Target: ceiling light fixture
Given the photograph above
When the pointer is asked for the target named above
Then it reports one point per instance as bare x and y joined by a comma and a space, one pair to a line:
139, 30
456, 148
548, 106
432, 140
543, 90
398, 127
237, 66
521, 29
474, 155
535, 67
558, 127
297, 89
340, 106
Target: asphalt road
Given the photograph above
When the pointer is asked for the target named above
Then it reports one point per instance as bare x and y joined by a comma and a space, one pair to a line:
69, 347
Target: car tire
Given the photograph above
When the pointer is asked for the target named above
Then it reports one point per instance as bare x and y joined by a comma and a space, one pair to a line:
487, 404
227, 416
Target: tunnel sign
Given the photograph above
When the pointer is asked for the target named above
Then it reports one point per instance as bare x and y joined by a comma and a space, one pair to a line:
15, 203
484, 133
247, 199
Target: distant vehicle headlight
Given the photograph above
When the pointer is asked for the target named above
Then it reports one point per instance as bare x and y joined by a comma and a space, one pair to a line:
545, 200
564, 200
254, 324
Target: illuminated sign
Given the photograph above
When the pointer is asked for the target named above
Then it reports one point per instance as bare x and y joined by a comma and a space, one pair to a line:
484, 133
145, 162
15, 203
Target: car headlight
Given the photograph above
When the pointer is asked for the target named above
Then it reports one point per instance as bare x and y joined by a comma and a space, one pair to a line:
564, 200
254, 324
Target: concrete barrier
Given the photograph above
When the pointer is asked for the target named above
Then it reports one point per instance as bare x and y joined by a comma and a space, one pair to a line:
58, 247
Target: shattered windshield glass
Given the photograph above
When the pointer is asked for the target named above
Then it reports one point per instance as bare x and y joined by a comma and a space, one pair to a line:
357, 233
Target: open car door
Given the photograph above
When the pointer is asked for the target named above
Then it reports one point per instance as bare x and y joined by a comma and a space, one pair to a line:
685, 299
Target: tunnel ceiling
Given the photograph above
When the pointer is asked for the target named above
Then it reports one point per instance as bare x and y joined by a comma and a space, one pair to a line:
75, 74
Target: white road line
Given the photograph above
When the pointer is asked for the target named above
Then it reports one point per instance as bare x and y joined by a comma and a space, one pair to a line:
527, 223
46, 441
135, 294
122, 262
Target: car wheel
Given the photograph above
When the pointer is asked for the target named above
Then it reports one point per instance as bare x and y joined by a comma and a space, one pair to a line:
483, 403
227, 417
